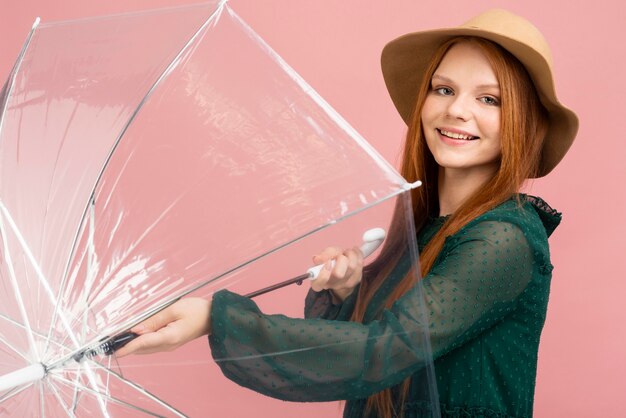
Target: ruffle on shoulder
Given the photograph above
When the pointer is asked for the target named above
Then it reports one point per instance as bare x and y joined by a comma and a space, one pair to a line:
550, 217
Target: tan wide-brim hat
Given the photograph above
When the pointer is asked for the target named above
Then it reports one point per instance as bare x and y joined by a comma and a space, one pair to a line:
405, 60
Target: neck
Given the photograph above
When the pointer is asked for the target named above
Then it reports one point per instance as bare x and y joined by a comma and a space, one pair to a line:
456, 186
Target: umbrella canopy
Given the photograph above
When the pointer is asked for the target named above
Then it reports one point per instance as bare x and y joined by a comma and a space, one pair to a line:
144, 157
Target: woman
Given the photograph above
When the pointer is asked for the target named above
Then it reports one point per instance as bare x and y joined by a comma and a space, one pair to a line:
482, 114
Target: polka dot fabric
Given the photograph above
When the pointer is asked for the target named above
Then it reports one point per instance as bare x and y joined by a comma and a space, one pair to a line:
485, 298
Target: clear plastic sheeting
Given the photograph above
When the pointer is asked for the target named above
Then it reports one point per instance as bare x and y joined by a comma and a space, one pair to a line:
149, 156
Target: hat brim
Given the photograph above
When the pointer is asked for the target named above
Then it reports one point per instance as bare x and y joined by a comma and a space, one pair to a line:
405, 60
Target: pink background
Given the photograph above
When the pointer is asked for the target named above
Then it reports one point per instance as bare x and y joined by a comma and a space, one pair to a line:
335, 46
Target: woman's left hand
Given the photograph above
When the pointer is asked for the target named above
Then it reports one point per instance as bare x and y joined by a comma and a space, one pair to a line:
169, 329
341, 278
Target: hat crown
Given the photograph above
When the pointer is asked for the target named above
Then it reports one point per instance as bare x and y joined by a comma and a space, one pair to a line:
509, 25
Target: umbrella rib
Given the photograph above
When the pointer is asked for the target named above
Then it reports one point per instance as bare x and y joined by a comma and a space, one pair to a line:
124, 326
139, 240
90, 272
173, 64
16, 289
116, 400
76, 390
164, 304
60, 400
14, 71
139, 389
46, 287
42, 401
154, 310
92, 380
14, 392
39, 273
35, 332
56, 166
15, 350
319, 100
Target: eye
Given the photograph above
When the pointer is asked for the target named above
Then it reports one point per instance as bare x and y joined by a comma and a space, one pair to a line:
489, 100
444, 91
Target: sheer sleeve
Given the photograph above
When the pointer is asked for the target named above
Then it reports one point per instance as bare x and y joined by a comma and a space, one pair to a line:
475, 283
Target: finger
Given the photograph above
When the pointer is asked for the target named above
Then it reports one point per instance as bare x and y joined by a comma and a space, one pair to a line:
321, 280
340, 269
327, 254
166, 339
129, 348
358, 253
140, 344
156, 321
355, 259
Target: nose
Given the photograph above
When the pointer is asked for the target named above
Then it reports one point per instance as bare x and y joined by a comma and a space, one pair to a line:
459, 107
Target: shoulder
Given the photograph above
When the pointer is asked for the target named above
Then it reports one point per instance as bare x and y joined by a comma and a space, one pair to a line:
531, 214
522, 223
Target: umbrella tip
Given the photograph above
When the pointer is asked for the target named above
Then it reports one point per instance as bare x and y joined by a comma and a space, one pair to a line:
36, 23
411, 186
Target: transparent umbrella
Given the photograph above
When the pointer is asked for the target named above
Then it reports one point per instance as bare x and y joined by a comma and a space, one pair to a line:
144, 157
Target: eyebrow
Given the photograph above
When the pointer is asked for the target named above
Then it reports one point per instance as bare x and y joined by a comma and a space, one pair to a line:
449, 80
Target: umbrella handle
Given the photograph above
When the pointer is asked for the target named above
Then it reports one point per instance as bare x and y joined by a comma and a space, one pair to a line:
372, 239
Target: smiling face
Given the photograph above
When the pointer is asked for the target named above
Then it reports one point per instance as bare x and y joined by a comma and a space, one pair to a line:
461, 113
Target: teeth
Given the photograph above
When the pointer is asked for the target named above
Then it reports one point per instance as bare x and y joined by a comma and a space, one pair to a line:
456, 136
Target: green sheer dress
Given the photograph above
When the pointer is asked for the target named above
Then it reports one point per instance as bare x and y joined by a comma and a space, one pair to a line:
485, 298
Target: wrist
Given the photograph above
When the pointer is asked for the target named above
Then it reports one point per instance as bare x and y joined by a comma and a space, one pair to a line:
339, 295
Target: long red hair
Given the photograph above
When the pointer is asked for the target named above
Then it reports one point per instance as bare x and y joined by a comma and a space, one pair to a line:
523, 126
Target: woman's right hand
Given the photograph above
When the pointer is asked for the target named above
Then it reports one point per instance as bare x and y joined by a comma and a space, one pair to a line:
179, 323
344, 276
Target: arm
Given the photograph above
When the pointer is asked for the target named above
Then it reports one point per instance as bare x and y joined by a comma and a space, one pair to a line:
189, 318
474, 285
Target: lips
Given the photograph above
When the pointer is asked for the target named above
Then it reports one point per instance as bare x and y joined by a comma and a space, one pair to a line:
456, 135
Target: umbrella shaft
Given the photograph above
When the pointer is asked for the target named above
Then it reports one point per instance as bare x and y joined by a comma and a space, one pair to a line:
23, 376
297, 279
